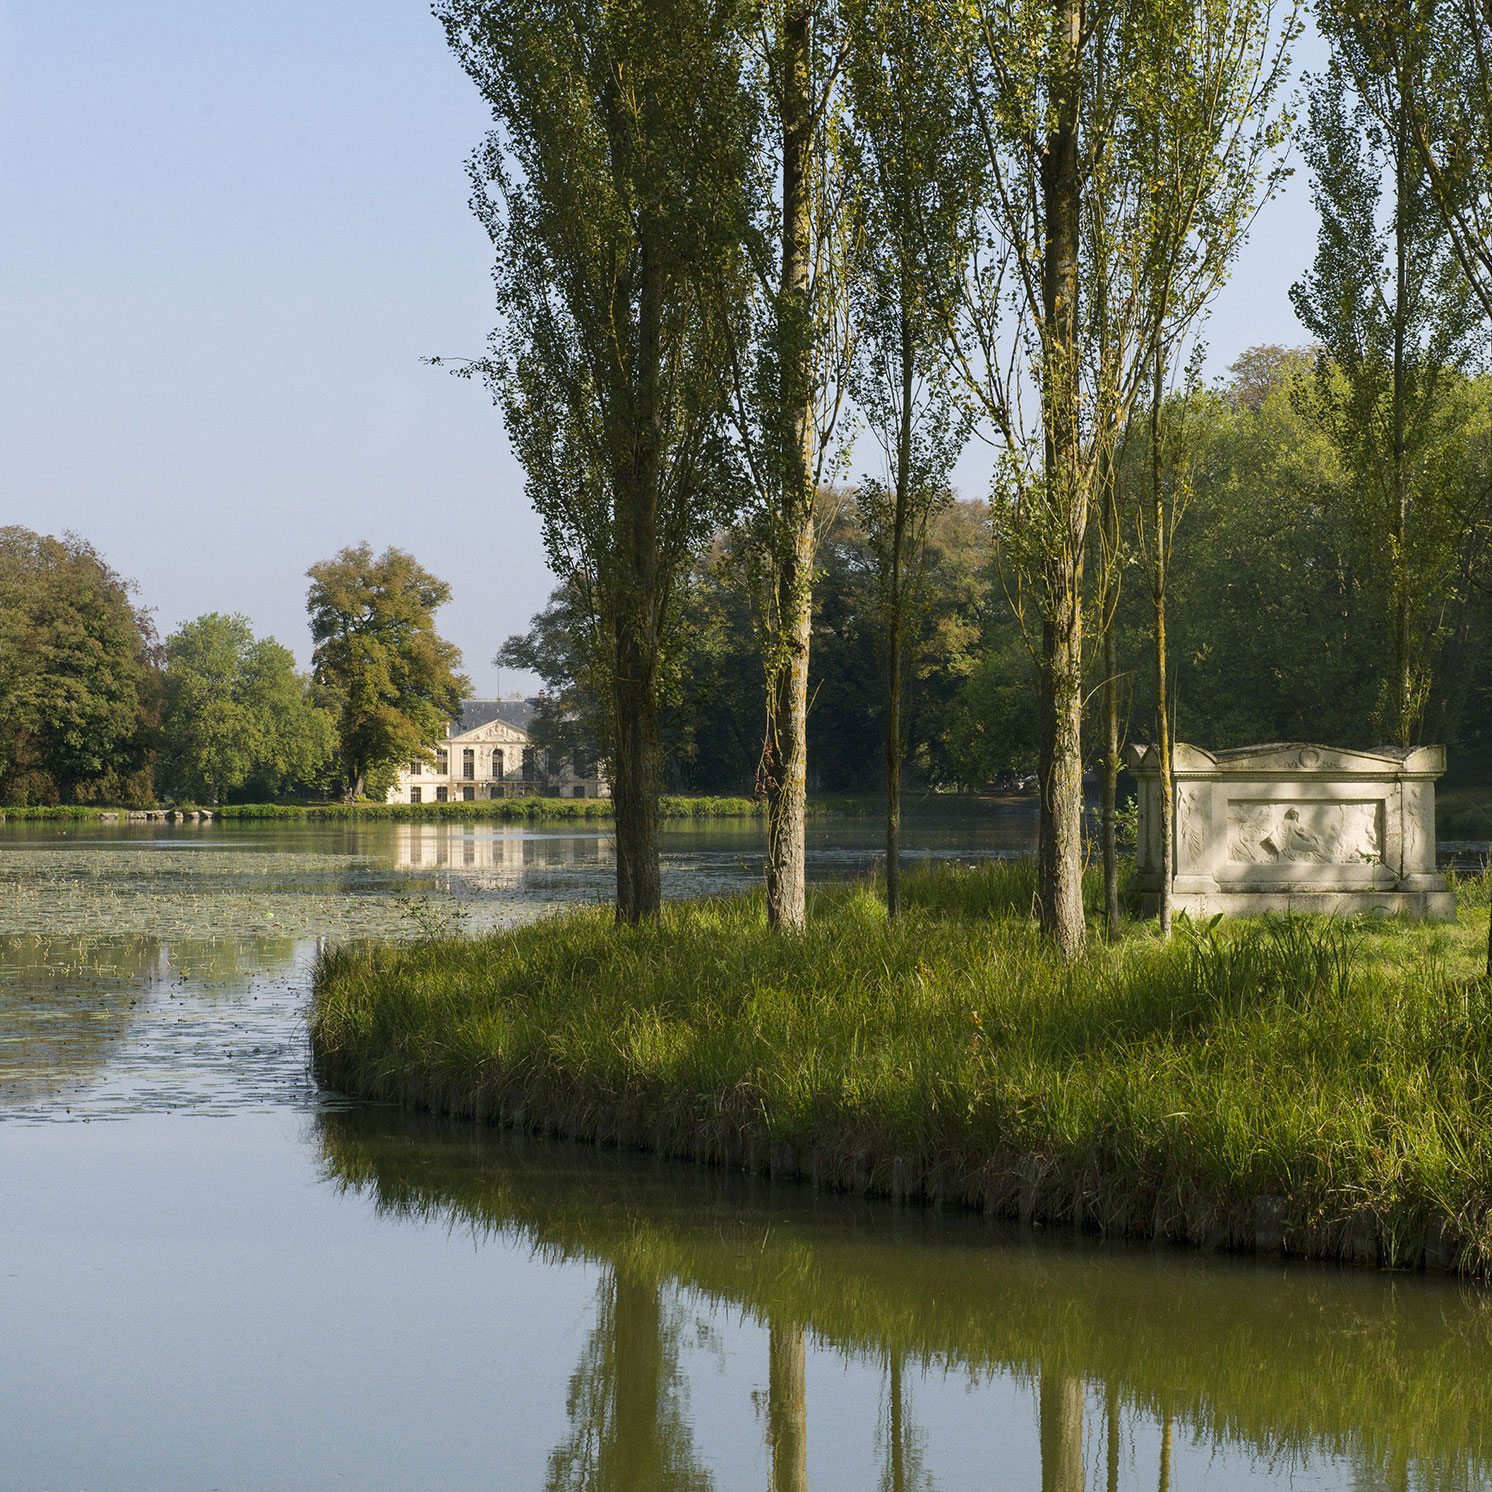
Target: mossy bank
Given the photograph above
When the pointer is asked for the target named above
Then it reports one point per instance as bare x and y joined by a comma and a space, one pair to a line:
1322, 1088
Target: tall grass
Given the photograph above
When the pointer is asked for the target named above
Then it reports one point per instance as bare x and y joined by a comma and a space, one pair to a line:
1149, 1087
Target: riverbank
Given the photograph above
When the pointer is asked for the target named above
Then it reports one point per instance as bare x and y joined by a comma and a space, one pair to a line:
497, 810
1316, 1088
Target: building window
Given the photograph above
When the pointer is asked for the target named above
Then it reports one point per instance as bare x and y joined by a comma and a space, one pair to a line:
497, 766
468, 763
579, 791
442, 762
468, 794
415, 768
440, 795
415, 795
530, 763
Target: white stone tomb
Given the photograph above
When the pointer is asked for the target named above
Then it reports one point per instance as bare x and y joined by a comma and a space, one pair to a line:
1295, 828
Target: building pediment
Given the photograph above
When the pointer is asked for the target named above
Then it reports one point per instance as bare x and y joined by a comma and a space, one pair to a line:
494, 733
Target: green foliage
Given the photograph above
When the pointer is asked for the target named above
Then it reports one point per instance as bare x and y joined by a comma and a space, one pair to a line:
389, 679
1425, 69
236, 715
913, 161
78, 688
614, 186
1396, 325
1277, 620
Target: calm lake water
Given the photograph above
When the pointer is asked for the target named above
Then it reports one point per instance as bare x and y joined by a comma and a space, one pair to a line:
215, 1276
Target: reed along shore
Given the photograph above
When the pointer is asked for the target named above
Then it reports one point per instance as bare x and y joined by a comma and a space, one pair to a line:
1315, 1087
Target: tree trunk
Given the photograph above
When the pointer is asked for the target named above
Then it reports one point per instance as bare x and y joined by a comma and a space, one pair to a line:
1158, 561
1110, 599
896, 622
1060, 1413
1404, 704
1060, 832
638, 765
896, 1478
639, 1382
1059, 851
893, 750
787, 1410
1111, 1449
636, 773
785, 757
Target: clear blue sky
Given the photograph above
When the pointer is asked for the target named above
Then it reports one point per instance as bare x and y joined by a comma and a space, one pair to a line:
228, 236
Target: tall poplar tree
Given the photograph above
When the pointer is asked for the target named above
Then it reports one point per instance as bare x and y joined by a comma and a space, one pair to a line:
1077, 216
790, 361
1395, 322
612, 186
913, 166
1203, 74
1429, 63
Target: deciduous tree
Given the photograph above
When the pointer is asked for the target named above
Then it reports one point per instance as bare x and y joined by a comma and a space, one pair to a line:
1122, 148
390, 680
791, 353
235, 710
613, 188
78, 685
1396, 323
913, 169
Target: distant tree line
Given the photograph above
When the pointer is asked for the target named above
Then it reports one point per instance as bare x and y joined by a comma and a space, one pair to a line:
94, 708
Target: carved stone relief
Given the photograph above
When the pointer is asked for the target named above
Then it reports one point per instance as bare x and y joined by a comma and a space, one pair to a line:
1189, 818
1320, 832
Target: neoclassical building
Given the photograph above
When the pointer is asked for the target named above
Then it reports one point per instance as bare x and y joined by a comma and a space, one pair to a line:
487, 752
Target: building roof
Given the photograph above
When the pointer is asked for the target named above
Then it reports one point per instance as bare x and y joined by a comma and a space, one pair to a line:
474, 713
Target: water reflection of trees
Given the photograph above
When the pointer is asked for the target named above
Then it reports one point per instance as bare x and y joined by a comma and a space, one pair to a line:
1288, 1364
628, 1416
68, 1003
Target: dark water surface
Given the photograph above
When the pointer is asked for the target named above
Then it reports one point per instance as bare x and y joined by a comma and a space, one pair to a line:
214, 1276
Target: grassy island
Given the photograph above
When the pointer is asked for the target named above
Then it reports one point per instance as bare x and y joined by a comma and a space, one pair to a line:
1321, 1087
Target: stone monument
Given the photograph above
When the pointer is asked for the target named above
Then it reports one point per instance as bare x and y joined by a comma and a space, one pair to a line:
1295, 828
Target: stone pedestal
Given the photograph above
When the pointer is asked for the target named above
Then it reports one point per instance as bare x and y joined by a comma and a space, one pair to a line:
1295, 828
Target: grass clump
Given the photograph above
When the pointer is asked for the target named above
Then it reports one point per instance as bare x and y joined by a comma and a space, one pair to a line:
1153, 1088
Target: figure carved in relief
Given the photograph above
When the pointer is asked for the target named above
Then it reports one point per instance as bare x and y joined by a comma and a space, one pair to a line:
1189, 815
1303, 833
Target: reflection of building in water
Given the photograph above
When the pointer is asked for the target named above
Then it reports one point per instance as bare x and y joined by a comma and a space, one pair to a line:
488, 753
472, 847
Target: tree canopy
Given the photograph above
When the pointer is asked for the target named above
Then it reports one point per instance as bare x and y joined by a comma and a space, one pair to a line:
77, 679
390, 680
237, 714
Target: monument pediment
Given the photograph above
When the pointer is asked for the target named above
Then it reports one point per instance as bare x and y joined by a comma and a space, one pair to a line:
1294, 759
1293, 826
